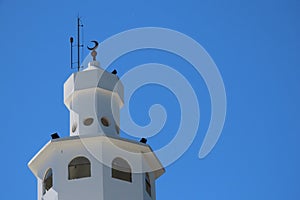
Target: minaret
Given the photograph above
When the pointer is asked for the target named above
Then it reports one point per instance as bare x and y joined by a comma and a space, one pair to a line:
94, 95
94, 162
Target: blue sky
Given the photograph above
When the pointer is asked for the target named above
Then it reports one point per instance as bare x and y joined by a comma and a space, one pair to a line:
255, 45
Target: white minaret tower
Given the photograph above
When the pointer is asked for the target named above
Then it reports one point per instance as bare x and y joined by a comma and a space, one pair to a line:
94, 162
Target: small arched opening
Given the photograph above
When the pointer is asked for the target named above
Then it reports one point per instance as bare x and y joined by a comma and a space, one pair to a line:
79, 167
121, 170
47, 181
148, 183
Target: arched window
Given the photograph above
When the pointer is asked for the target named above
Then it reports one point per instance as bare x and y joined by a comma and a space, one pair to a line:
148, 183
121, 170
79, 167
48, 181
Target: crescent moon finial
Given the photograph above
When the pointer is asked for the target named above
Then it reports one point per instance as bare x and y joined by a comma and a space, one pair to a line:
95, 45
93, 49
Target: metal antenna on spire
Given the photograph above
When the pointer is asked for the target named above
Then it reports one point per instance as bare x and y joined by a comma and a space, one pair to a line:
79, 45
71, 42
79, 25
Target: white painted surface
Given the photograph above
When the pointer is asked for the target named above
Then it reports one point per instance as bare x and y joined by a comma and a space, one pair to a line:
93, 93
58, 153
87, 97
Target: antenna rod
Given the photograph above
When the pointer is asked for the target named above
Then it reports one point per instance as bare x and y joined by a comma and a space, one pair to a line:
78, 43
71, 42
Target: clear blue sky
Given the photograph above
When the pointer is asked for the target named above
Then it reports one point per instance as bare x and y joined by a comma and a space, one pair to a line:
255, 45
